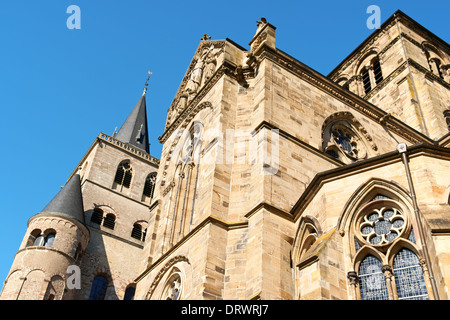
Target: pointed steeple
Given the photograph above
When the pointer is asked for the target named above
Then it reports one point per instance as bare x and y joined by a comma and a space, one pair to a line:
68, 201
135, 131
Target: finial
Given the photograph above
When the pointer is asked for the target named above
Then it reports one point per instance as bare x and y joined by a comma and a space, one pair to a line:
146, 83
205, 37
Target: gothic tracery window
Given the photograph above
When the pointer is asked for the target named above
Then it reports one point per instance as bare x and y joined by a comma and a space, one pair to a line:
124, 173
386, 258
173, 287
149, 187
341, 141
372, 283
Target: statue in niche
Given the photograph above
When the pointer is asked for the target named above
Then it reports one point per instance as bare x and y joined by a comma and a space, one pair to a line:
181, 102
203, 70
210, 64
195, 79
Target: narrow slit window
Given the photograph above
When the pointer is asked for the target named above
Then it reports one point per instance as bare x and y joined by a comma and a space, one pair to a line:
366, 81
377, 71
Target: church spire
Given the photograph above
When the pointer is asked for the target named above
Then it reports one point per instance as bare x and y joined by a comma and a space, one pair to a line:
134, 131
68, 201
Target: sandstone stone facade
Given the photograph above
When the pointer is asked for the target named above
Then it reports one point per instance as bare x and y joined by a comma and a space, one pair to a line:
269, 178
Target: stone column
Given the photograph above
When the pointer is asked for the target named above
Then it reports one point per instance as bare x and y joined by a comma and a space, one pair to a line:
353, 279
387, 271
426, 277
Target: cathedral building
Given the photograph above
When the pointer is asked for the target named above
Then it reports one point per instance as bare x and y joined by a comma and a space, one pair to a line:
274, 182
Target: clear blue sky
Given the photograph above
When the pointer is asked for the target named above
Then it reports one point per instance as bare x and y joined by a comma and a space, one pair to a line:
60, 88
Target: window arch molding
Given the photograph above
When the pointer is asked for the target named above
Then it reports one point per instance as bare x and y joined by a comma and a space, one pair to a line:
365, 192
172, 288
344, 137
365, 58
307, 233
179, 264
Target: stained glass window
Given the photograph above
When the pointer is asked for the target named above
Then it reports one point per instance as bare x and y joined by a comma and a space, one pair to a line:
380, 196
382, 226
372, 281
409, 276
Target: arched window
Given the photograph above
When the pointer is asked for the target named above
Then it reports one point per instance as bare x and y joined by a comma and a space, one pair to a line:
384, 243
434, 57
123, 176
366, 80
137, 231
49, 239
408, 275
372, 281
345, 139
149, 187
33, 237
109, 221
97, 216
45, 239
378, 74
98, 290
371, 73
39, 241
129, 292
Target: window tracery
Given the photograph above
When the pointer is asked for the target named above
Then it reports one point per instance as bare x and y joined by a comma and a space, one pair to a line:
124, 173
173, 287
344, 138
386, 258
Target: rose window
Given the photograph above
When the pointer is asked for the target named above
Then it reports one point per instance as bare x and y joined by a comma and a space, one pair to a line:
382, 226
346, 142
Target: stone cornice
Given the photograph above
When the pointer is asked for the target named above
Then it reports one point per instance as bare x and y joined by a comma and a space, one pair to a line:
350, 99
128, 149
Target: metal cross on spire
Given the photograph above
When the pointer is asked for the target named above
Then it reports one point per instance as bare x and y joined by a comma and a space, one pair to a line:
146, 82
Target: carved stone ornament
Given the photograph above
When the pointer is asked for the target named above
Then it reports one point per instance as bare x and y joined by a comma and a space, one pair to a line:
202, 68
163, 271
344, 138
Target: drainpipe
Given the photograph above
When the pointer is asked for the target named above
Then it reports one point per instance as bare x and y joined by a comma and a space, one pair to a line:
401, 148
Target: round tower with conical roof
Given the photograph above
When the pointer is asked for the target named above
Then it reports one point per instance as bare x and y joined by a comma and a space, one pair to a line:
48, 258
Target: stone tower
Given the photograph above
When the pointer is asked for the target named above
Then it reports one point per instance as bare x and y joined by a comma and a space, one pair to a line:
53, 242
97, 223
117, 182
